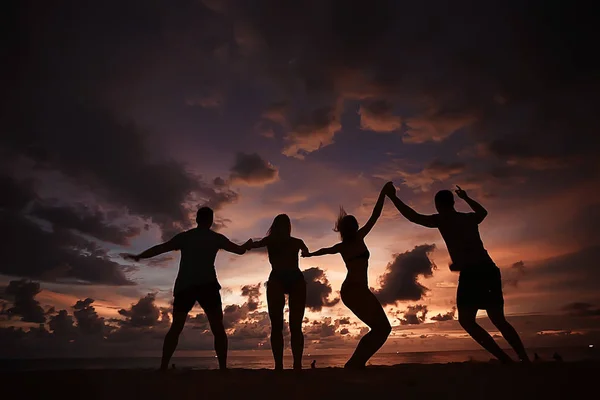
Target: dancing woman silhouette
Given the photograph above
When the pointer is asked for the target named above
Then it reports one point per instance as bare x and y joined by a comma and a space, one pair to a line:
355, 292
285, 278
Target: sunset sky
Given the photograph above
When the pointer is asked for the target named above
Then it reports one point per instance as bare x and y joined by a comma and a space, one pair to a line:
120, 119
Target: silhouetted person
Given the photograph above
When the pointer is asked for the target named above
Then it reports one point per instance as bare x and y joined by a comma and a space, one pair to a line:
285, 278
557, 357
355, 291
196, 281
479, 283
313, 364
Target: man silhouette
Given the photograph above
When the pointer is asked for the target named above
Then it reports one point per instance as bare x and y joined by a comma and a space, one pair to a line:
196, 281
479, 282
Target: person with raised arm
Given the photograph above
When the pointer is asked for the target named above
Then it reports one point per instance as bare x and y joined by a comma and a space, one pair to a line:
479, 282
196, 281
285, 278
355, 291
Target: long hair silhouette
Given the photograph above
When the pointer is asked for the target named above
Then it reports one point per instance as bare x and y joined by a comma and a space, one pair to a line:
281, 227
346, 225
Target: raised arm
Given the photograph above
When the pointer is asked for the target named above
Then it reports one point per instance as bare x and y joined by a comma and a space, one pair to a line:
364, 231
326, 250
426, 220
480, 212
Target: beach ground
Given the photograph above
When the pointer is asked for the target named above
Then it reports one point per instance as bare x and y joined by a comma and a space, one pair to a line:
551, 380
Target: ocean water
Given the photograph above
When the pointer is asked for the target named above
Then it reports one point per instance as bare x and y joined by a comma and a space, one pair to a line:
265, 360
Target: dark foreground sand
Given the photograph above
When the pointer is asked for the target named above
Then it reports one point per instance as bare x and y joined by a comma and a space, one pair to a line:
438, 381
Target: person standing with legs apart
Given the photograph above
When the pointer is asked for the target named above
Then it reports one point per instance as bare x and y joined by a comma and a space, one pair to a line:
355, 292
479, 282
285, 278
196, 281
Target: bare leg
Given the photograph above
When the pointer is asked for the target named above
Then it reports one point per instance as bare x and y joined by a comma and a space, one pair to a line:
297, 304
276, 303
215, 319
172, 338
466, 317
363, 303
510, 334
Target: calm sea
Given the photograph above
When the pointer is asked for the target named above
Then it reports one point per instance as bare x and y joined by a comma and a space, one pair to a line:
264, 360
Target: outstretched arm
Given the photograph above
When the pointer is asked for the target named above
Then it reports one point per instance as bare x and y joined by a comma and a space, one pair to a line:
255, 245
364, 231
321, 252
410, 214
231, 247
303, 249
154, 251
480, 212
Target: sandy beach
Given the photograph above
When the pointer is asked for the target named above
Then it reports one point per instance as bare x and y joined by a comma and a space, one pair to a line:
549, 380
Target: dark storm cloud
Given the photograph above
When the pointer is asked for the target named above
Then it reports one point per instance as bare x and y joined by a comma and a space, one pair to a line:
62, 325
22, 295
414, 315
252, 169
83, 219
144, 313
67, 120
33, 252
399, 282
379, 116
449, 316
581, 309
575, 271
252, 292
88, 320
318, 289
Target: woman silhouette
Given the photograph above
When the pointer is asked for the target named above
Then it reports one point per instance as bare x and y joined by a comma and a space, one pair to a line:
355, 291
285, 278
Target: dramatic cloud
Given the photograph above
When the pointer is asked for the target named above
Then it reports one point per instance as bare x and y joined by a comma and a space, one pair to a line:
378, 116
144, 313
414, 315
318, 289
22, 293
251, 169
449, 316
253, 294
62, 325
88, 320
399, 282
425, 177
81, 218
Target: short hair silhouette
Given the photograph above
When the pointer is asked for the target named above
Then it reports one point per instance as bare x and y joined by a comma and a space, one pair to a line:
281, 227
444, 199
346, 225
204, 217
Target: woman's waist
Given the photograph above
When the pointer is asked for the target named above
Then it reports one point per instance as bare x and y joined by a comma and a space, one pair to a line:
284, 273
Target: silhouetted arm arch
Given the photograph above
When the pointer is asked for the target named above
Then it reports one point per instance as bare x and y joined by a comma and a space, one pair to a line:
326, 250
364, 231
428, 221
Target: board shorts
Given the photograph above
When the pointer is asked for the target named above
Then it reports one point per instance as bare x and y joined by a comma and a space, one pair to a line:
208, 295
480, 287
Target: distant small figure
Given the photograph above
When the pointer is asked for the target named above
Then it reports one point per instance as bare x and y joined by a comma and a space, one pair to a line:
557, 357
536, 357
313, 364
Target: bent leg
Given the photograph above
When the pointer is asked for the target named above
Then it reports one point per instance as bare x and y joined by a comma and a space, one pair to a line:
363, 303
497, 317
172, 337
297, 304
276, 303
466, 318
